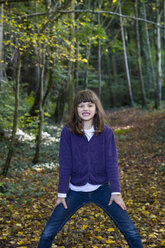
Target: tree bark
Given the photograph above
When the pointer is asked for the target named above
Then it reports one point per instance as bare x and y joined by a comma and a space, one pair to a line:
70, 63
99, 58
15, 119
77, 66
125, 59
144, 103
149, 49
60, 104
1, 48
159, 61
110, 82
87, 65
41, 110
49, 86
164, 32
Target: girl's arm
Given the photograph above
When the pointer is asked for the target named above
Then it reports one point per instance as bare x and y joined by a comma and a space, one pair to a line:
65, 161
112, 161
112, 169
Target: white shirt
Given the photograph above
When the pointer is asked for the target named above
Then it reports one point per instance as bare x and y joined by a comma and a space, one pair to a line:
87, 187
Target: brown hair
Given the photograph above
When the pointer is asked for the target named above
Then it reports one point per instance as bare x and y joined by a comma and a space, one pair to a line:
75, 123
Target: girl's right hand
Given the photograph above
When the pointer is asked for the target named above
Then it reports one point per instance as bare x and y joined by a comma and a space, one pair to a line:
61, 200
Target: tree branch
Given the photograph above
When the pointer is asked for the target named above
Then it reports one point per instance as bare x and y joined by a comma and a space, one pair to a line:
12, 1
52, 14
88, 11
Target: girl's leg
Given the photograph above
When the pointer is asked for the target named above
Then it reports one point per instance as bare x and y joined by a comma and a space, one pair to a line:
60, 215
101, 197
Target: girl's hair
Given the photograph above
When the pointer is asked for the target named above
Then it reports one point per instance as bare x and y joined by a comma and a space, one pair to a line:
75, 123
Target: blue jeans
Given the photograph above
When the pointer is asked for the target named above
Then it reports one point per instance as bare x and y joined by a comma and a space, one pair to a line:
76, 200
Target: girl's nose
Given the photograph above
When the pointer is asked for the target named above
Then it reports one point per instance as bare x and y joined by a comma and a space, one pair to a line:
85, 107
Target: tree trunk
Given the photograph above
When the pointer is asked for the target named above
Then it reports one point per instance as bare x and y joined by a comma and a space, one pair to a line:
41, 110
125, 58
49, 86
77, 66
164, 36
1, 48
99, 58
87, 65
144, 103
110, 82
60, 104
159, 61
149, 48
15, 119
70, 64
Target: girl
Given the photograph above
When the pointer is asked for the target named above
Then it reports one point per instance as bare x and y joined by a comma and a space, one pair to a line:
88, 171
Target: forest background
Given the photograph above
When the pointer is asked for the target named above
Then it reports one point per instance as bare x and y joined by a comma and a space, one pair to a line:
49, 50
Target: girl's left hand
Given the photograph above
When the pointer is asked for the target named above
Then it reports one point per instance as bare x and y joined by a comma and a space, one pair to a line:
118, 199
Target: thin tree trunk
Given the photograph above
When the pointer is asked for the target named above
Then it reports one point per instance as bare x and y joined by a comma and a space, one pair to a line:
60, 104
125, 58
144, 103
149, 47
49, 86
1, 46
159, 61
99, 58
70, 63
110, 82
41, 110
77, 66
15, 119
164, 37
87, 65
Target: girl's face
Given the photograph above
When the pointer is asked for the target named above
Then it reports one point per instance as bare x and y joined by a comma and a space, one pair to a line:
86, 110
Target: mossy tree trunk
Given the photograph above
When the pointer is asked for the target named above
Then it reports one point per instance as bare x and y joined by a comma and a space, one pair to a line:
15, 119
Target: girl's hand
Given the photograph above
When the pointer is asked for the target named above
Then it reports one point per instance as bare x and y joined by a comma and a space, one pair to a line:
61, 200
118, 199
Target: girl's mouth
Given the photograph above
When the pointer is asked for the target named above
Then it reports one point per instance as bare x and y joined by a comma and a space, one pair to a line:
85, 113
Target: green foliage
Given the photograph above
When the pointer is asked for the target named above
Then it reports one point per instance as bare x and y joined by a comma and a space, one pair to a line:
121, 131
7, 100
59, 39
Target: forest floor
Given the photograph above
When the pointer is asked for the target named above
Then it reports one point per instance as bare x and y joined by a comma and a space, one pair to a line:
28, 196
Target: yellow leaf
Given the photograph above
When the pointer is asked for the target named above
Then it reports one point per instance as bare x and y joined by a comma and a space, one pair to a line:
84, 227
12, 242
18, 224
111, 229
99, 237
35, 239
110, 241
84, 60
162, 243
152, 235
4, 237
20, 242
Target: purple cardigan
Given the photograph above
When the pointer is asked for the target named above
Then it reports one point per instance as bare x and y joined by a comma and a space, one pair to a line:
93, 161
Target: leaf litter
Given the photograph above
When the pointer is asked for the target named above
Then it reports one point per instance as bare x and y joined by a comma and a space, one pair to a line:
28, 197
